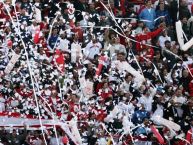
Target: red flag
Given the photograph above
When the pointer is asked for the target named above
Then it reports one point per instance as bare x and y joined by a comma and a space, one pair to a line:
157, 134
37, 36
100, 65
59, 59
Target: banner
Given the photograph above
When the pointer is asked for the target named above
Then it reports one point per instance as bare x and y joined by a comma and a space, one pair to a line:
6, 121
69, 128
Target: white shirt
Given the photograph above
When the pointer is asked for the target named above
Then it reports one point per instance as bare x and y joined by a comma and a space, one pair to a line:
33, 29
125, 87
102, 141
138, 30
158, 111
162, 40
92, 49
180, 99
118, 48
63, 45
114, 48
147, 101
129, 108
75, 51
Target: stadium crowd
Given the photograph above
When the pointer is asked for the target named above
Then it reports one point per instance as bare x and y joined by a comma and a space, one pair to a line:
113, 67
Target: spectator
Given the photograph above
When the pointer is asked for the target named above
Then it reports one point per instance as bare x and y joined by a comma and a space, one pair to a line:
185, 28
53, 39
148, 15
158, 2
163, 38
183, 10
139, 28
93, 48
162, 14
89, 69
15, 138
140, 115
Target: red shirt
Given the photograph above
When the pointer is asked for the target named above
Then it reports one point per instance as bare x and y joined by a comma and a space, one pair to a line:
106, 93
143, 38
191, 88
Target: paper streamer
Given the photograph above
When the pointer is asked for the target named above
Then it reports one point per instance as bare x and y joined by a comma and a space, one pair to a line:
28, 64
180, 37
75, 132
138, 78
167, 123
11, 63
188, 45
52, 26
143, 20
179, 32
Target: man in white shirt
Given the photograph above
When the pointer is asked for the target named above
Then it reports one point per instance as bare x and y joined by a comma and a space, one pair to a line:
63, 43
147, 99
92, 48
163, 38
33, 27
125, 86
76, 46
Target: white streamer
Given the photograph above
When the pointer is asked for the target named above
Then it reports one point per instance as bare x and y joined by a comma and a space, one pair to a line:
28, 68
